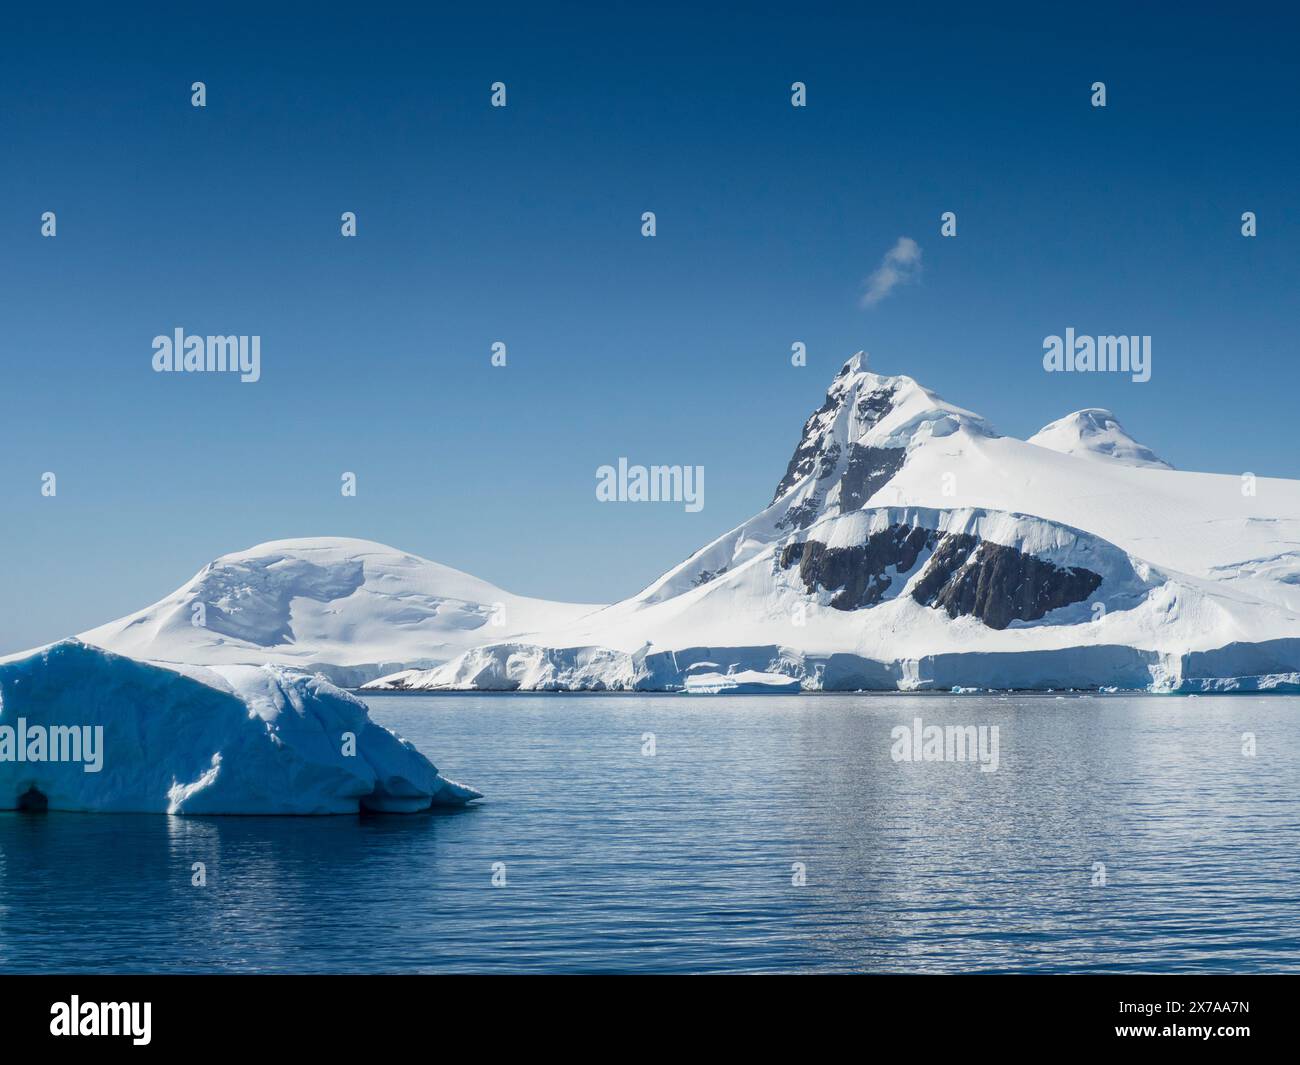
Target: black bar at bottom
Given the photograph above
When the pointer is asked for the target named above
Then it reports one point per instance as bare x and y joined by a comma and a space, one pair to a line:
339, 1013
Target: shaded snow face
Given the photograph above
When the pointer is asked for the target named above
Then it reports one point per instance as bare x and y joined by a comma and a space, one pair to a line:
250, 599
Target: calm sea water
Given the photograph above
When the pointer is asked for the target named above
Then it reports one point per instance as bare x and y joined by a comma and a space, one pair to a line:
683, 861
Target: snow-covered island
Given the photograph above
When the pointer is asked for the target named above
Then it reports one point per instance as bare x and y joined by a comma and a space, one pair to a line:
908, 546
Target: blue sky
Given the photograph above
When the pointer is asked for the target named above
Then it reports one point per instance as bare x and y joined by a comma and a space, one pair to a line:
522, 225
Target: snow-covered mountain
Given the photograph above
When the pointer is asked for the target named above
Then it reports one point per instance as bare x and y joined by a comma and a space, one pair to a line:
351, 609
1095, 433
909, 545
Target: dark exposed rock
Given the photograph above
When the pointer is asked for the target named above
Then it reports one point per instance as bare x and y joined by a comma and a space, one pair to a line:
829, 460
801, 515
874, 406
999, 585
947, 559
707, 575
867, 471
965, 576
858, 573
807, 455
814, 452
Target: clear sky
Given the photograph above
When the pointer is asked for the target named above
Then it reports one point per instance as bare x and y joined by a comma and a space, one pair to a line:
523, 225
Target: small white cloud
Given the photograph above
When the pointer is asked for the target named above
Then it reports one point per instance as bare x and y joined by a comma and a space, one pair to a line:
901, 264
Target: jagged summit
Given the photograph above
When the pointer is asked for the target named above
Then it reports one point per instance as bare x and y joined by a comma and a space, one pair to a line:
855, 363
1095, 433
867, 423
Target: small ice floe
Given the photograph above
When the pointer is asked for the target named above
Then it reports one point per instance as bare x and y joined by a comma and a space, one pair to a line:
746, 682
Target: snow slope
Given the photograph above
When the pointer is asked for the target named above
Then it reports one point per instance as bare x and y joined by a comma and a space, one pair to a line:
909, 545
225, 740
351, 609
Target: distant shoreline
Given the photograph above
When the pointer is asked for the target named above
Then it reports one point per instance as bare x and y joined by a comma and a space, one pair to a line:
1123, 692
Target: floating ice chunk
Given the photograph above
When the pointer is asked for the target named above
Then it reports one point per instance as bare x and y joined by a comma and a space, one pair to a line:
194, 740
745, 682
